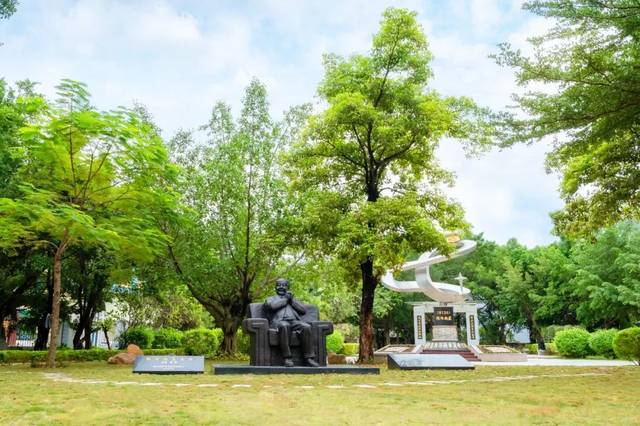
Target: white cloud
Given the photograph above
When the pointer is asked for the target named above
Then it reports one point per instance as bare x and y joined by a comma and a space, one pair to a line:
178, 61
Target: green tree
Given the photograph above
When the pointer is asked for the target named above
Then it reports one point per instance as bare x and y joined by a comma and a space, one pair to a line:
590, 61
606, 283
236, 219
86, 178
7, 8
367, 165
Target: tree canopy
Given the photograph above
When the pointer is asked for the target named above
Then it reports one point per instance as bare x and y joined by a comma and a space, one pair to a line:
590, 62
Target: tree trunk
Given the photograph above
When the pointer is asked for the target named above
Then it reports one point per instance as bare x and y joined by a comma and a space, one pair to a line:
77, 337
88, 329
55, 304
369, 283
106, 337
229, 342
3, 338
43, 331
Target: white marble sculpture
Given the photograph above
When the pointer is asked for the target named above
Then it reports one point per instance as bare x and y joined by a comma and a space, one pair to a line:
440, 292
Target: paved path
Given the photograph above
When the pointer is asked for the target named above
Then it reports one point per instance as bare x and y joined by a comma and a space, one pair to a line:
561, 362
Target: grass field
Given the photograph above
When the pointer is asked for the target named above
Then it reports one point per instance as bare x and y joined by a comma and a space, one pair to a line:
96, 393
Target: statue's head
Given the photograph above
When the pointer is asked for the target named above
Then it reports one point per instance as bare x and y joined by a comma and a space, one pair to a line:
282, 286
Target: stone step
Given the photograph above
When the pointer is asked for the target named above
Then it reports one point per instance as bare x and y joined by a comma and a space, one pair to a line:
466, 354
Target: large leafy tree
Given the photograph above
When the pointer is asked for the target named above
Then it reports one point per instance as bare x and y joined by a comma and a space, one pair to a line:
367, 165
606, 280
86, 178
235, 223
590, 62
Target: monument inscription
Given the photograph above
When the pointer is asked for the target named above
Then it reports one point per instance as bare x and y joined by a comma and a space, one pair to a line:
443, 315
170, 364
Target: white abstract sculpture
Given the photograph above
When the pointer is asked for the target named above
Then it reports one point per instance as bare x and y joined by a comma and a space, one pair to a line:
440, 292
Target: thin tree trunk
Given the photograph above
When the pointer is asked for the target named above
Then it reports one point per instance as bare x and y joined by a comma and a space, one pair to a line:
43, 331
88, 329
55, 305
106, 337
369, 283
3, 338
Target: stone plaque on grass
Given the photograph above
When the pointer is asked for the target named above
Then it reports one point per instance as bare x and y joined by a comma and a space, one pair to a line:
170, 364
428, 362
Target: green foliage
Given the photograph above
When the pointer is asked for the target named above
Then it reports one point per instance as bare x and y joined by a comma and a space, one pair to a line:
7, 8
551, 348
167, 338
350, 349
626, 344
201, 341
366, 164
243, 342
141, 336
335, 342
573, 342
589, 59
532, 348
549, 333
69, 355
606, 281
601, 342
236, 217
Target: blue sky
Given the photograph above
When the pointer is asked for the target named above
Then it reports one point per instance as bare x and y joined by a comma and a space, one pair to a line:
179, 57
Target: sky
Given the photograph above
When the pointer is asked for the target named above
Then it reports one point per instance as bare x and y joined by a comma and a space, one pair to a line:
179, 57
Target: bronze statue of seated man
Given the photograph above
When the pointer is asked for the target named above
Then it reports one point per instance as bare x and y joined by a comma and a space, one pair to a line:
286, 312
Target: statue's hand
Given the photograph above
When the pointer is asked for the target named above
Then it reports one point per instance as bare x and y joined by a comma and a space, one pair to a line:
289, 296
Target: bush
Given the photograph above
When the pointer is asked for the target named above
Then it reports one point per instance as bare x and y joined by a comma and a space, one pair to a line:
167, 338
350, 349
335, 342
243, 343
140, 336
573, 342
532, 348
551, 348
601, 342
549, 333
201, 341
626, 344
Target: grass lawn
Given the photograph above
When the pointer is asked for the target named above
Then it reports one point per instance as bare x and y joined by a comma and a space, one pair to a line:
97, 393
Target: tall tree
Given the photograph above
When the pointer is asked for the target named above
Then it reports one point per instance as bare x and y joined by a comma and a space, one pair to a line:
367, 164
7, 8
590, 61
234, 227
86, 178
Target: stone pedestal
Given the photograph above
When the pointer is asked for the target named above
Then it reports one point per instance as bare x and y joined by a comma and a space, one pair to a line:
444, 333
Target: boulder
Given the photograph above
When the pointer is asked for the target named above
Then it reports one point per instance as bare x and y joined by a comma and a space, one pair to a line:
134, 349
337, 359
126, 357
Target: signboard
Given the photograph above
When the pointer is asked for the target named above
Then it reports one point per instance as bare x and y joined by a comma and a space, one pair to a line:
443, 315
472, 327
419, 326
428, 362
170, 364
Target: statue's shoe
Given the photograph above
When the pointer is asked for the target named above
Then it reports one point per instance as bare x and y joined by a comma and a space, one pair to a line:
288, 362
312, 363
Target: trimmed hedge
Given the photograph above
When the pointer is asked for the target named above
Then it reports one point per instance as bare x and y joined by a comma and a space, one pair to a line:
532, 348
167, 338
573, 342
96, 354
335, 342
601, 342
350, 349
201, 341
140, 336
626, 344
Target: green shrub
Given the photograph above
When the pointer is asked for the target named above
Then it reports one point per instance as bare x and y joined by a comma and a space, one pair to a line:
601, 342
95, 354
551, 348
140, 336
219, 335
335, 342
626, 344
549, 333
350, 349
201, 341
167, 338
243, 343
532, 348
573, 342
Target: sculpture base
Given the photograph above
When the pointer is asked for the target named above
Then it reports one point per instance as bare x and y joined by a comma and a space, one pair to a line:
278, 369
